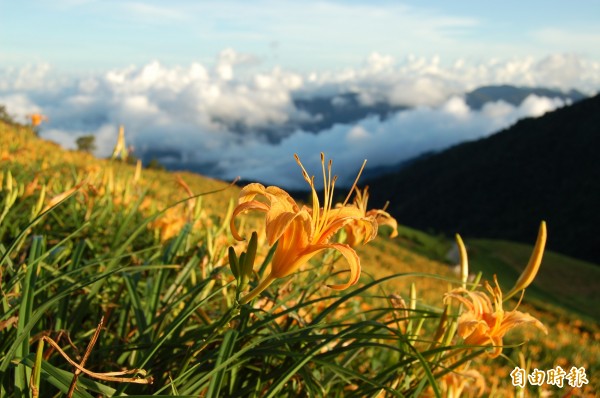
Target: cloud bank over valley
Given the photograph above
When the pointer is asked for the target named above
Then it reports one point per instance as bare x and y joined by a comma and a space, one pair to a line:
231, 118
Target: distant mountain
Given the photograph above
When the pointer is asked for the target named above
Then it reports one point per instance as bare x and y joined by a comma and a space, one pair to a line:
341, 109
477, 98
320, 113
502, 186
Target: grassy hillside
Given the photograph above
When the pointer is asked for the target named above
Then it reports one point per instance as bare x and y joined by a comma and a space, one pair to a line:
85, 242
502, 186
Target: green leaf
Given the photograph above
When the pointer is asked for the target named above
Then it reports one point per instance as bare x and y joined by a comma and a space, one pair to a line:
229, 340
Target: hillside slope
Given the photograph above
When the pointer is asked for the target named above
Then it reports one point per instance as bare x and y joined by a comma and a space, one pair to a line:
502, 186
411, 252
167, 297
25, 155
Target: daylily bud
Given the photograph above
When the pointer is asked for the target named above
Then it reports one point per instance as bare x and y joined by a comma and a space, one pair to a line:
9, 181
138, 172
233, 263
533, 266
247, 266
464, 261
40, 203
242, 267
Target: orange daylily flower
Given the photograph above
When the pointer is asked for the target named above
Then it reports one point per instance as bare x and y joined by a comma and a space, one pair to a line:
302, 232
37, 119
459, 382
170, 224
485, 322
355, 230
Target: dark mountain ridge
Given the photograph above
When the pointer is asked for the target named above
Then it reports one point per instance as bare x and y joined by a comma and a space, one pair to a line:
545, 168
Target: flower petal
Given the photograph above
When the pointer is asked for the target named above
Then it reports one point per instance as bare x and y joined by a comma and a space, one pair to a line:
281, 213
291, 252
515, 318
292, 229
287, 261
250, 191
279, 196
384, 218
353, 261
342, 216
251, 205
497, 343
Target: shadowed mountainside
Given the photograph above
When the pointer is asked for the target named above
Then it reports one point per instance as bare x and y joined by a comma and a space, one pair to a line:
545, 168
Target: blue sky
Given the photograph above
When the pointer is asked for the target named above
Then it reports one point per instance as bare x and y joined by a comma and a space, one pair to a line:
93, 35
178, 74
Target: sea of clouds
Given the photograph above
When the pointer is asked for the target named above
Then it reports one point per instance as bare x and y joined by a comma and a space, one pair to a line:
212, 118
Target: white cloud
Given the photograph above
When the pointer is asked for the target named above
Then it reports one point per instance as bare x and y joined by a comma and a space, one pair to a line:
358, 134
106, 138
383, 143
19, 106
191, 111
456, 107
426, 81
535, 106
228, 59
29, 77
65, 139
497, 110
566, 71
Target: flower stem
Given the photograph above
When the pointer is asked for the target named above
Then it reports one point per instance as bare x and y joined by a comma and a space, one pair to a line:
258, 289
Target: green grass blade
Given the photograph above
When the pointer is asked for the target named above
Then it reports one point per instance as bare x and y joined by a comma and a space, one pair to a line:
22, 374
136, 304
37, 369
229, 341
